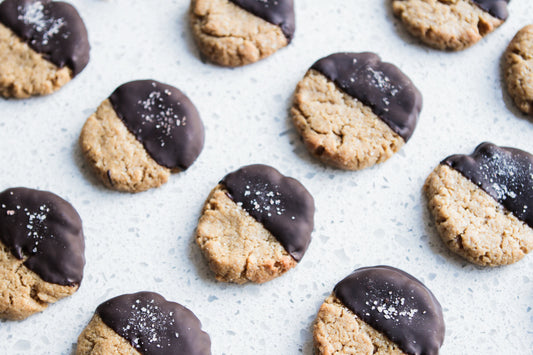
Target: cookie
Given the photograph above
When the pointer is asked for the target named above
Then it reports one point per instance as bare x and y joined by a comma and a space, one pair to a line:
143, 323
481, 204
239, 32
379, 310
41, 251
518, 69
353, 111
43, 45
256, 224
450, 24
141, 134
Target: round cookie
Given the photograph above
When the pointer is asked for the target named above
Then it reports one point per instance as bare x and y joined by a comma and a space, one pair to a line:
143, 323
353, 110
480, 203
256, 224
518, 69
43, 45
239, 32
450, 24
41, 251
143, 132
379, 310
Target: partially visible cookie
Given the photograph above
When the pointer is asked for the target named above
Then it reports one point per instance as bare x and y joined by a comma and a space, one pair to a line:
43, 45
450, 24
139, 135
379, 310
256, 224
518, 69
481, 204
353, 110
41, 251
238, 32
143, 323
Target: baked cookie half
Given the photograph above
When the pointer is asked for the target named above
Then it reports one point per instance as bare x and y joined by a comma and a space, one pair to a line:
41, 251
481, 204
143, 323
43, 45
518, 69
141, 134
450, 24
353, 111
379, 310
255, 225
238, 32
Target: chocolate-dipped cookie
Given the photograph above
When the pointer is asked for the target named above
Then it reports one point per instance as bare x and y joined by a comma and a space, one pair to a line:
451, 25
139, 135
353, 110
43, 45
256, 224
41, 251
481, 204
379, 310
238, 32
143, 323
518, 69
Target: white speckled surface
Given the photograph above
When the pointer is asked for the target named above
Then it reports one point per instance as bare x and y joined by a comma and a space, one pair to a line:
377, 216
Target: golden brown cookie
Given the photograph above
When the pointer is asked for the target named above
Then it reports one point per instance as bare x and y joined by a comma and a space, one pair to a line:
255, 225
482, 215
379, 311
518, 69
353, 111
142, 133
43, 45
41, 251
143, 323
450, 24
239, 32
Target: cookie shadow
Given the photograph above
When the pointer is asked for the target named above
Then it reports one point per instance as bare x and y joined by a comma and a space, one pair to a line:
506, 97
400, 29
201, 268
308, 346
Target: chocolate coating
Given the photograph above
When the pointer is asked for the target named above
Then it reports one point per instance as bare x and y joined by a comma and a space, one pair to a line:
277, 12
497, 8
47, 230
396, 304
506, 174
281, 204
154, 325
54, 29
163, 119
382, 86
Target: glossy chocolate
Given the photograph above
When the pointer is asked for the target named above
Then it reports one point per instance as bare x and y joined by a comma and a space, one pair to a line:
153, 325
497, 8
163, 119
506, 174
277, 12
381, 86
52, 28
281, 204
396, 304
45, 229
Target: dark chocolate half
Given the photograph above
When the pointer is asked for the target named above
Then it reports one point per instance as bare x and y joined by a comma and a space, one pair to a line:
163, 119
277, 12
396, 304
52, 28
506, 174
382, 86
154, 325
45, 229
281, 204
497, 8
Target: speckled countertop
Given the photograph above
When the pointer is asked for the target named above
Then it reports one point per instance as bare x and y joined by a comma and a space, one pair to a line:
376, 216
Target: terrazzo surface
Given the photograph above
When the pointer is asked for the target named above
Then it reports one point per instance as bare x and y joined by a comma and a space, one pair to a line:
377, 216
